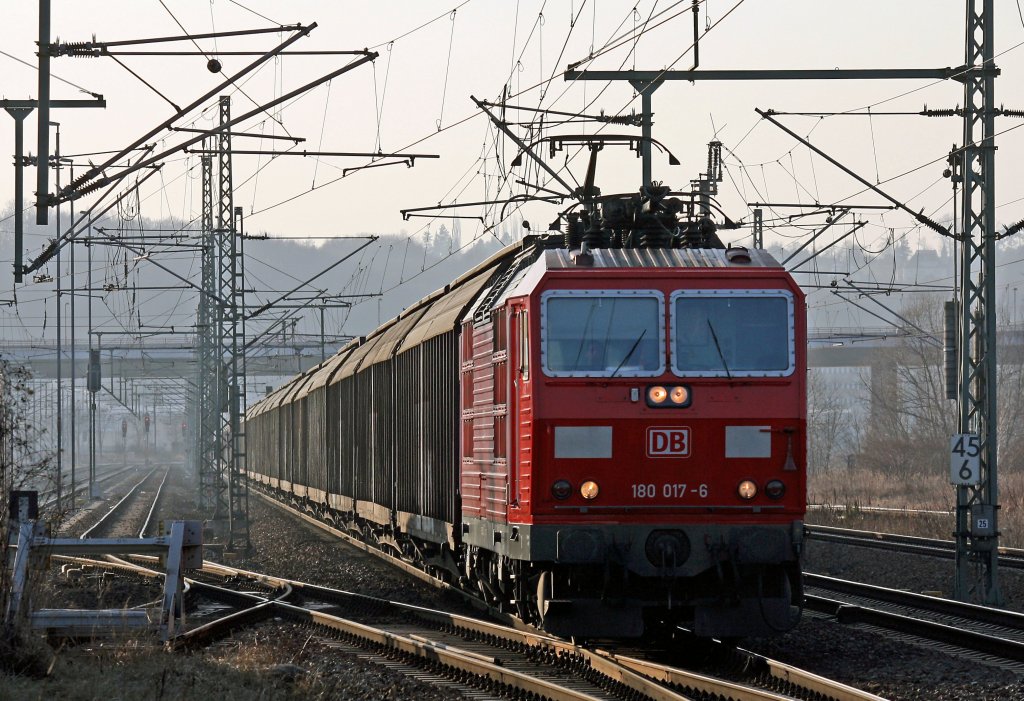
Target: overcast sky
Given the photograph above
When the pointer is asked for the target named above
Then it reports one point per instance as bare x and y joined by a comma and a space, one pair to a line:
416, 98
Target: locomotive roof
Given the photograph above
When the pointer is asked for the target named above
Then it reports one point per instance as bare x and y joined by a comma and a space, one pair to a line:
559, 258
526, 278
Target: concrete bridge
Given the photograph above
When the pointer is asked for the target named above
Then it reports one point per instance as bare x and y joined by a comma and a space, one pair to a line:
835, 347
163, 359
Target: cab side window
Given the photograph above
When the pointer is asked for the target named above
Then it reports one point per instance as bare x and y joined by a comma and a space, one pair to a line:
524, 344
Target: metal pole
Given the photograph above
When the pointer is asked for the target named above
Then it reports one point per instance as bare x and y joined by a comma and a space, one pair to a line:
93, 488
323, 353
43, 146
19, 115
646, 89
74, 369
207, 368
43, 164
977, 532
240, 346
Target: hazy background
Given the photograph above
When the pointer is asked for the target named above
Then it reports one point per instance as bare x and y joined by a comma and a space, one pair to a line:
415, 98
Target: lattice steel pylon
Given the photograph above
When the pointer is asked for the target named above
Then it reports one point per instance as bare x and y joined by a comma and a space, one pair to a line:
977, 534
207, 426
231, 345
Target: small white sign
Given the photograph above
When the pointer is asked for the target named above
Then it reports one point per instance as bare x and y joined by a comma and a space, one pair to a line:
965, 459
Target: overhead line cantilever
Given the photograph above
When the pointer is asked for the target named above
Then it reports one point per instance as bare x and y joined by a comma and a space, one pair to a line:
64, 196
76, 229
70, 191
927, 221
519, 142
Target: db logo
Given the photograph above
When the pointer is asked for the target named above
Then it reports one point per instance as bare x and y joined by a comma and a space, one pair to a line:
668, 442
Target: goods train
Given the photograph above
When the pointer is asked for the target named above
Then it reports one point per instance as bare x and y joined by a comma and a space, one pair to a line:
600, 430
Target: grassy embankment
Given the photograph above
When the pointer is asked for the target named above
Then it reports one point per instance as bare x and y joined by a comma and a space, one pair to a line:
847, 492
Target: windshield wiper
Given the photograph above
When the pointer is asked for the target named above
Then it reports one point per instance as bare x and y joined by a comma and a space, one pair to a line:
630, 353
721, 355
583, 338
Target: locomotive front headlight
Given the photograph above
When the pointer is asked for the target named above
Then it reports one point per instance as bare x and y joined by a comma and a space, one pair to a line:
747, 489
775, 489
656, 395
680, 396
589, 489
562, 489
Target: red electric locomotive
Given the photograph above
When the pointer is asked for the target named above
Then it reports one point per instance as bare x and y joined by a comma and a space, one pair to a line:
602, 431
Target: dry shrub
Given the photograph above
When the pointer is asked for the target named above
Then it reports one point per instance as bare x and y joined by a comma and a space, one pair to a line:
844, 494
24, 654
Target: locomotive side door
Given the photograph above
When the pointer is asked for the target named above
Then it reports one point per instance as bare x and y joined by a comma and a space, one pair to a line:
520, 409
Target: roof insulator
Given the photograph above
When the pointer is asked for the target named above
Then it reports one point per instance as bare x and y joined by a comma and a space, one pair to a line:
738, 255
583, 257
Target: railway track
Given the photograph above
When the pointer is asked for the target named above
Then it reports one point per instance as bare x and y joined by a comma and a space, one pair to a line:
797, 683
48, 497
480, 658
131, 515
994, 635
1011, 558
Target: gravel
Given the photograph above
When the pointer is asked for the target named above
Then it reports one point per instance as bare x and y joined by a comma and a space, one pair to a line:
876, 662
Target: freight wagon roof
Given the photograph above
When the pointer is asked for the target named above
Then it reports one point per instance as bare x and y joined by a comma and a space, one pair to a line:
326, 371
275, 398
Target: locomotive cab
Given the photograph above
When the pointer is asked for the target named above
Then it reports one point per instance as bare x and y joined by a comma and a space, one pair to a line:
644, 465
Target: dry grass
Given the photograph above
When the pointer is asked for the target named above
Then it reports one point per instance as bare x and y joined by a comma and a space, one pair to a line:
270, 661
141, 669
847, 492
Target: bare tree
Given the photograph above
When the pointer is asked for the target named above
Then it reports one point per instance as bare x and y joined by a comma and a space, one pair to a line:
831, 427
911, 419
24, 464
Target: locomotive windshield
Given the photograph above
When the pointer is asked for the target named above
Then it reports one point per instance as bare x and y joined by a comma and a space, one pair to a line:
732, 333
607, 333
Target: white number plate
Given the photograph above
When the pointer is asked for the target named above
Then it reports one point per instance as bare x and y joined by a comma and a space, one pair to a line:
965, 459
670, 490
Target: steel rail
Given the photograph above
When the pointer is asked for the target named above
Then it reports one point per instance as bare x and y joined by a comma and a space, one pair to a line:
928, 630
603, 663
117, 506
819, 686
201, 634
1011, 558
454, 661
451, 658
643, 678
152, 508
52, 493
518, 632
128, 568
950, 633
254, 608
924, 602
